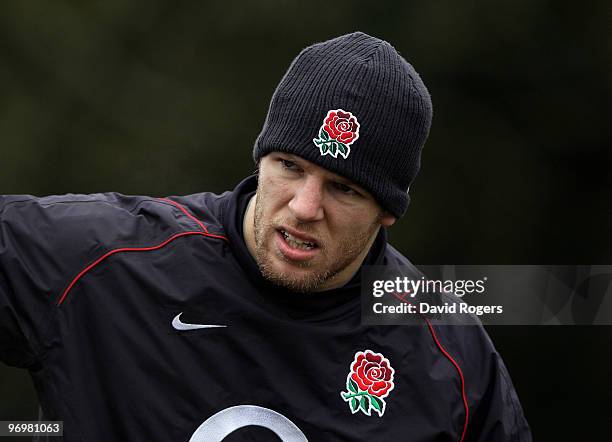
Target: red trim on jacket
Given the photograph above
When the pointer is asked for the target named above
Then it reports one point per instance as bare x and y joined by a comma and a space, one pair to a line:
452, 360
83, 272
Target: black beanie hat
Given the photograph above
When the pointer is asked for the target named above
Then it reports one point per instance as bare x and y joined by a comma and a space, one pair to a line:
354, 106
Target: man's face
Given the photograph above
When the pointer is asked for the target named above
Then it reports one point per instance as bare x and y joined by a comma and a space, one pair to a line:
311, 228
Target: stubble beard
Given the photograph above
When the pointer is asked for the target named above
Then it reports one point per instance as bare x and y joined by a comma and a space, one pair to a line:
348, 250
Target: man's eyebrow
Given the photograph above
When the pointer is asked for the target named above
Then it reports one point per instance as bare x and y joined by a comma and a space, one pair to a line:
343, 180
289, 157
349, 183
337, 178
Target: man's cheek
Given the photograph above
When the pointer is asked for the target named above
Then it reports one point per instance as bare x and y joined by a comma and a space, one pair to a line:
279, 190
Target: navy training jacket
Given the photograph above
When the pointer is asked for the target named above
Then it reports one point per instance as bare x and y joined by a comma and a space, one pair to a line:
146, 319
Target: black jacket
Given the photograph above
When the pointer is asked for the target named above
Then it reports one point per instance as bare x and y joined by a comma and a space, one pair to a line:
91, 288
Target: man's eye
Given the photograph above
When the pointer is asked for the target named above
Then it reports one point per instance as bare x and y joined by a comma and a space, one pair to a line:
345, 189
288, 164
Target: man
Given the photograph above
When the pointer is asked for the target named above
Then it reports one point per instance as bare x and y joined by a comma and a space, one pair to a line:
237, 316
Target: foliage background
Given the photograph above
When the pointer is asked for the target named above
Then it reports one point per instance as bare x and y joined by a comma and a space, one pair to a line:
166, 97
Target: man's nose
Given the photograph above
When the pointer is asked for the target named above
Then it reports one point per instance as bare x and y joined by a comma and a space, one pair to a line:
307, 202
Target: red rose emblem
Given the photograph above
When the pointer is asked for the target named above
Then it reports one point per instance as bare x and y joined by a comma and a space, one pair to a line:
338, 131
373, 373
341, 126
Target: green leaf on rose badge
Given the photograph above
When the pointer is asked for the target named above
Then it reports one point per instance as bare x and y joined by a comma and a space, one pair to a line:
333, 148
377, 403
352, 385
365, 404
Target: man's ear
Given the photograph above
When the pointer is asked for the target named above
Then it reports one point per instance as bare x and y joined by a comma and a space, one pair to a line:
386, 219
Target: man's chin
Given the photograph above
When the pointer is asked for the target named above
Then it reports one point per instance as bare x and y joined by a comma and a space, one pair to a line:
293, 275
295, 285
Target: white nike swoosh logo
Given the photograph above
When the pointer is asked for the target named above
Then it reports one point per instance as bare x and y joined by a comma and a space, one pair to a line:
180, 325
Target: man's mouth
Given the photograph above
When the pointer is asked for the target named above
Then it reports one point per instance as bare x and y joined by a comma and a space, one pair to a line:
297, 243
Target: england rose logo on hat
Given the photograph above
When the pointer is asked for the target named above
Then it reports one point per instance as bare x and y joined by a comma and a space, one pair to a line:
340, 129
368, 383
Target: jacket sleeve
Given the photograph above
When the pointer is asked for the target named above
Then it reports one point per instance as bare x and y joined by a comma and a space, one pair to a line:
45, 242
25, 294
497, 414
494, 410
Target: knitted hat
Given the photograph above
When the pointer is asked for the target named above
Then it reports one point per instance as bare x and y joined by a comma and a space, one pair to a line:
354, 106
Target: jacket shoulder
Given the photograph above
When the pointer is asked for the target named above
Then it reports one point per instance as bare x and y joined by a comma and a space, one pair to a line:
208, 207
44, 239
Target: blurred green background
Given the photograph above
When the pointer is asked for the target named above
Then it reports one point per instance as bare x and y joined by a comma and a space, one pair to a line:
166, 98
